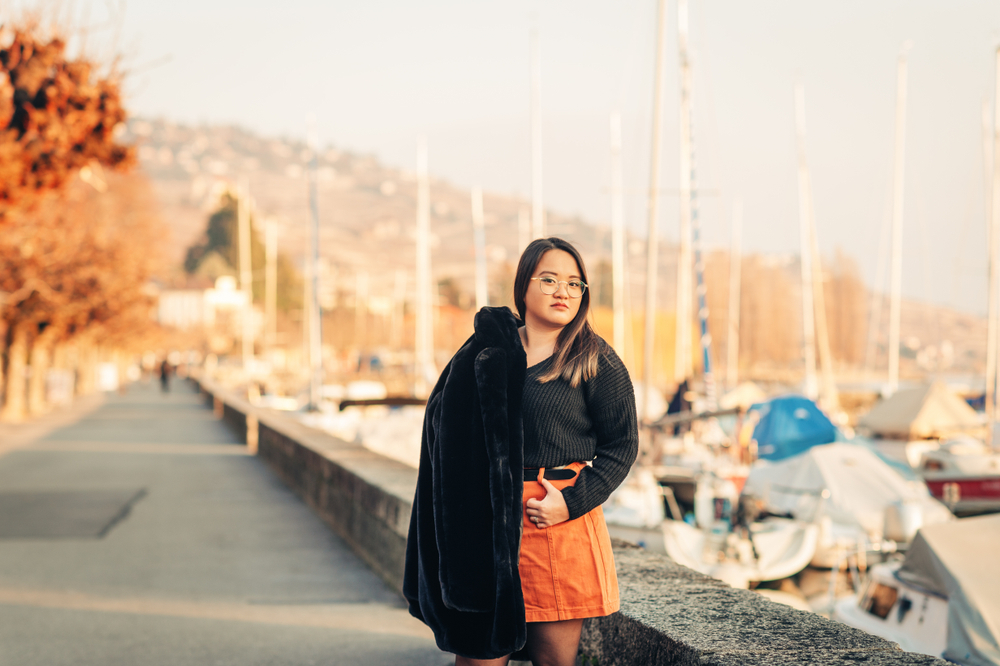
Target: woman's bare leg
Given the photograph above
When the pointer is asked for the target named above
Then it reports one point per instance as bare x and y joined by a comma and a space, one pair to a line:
465, 661
554, 643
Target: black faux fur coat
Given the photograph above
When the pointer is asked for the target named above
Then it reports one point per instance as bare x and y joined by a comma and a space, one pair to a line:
461, 576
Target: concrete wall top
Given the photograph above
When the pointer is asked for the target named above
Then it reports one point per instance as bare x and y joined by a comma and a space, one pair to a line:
672, 615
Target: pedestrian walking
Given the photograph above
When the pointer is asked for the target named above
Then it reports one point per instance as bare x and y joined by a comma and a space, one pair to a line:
165, 376
529, 429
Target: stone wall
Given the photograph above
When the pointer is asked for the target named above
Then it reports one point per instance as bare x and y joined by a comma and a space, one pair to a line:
672, 615
669, 615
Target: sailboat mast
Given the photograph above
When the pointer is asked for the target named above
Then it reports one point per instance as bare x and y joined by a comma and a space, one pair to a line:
361, 310
896, 272
706, 337
246, 270
398, 309
995, 242
307, 324
813, 280
479, 239
877, 301
828, 397
735, 283
315, 314
652, 240
425, 333
617, 237
683, 356
271, 280
693, 237
523, 229
810, 388
537, 204
991, 239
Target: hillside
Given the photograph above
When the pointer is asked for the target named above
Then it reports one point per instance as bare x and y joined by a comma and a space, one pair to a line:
366, 209
367, 222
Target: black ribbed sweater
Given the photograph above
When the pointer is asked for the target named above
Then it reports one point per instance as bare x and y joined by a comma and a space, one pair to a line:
595, 421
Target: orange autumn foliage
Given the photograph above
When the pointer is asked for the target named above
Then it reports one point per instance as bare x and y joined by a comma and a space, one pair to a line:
57, 116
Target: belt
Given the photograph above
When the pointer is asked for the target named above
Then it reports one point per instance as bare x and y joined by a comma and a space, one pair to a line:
531, 474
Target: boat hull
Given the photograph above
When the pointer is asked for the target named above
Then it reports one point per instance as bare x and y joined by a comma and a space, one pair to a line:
976, 494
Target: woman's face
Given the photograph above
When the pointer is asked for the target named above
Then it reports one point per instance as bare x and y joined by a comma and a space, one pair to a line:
558, 309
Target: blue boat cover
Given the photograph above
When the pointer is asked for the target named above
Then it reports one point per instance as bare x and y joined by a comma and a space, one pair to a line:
790, 425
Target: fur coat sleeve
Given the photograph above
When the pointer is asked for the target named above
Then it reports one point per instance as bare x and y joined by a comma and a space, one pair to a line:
461, 575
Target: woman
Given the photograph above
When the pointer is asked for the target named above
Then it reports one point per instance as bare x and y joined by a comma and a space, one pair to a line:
530, 428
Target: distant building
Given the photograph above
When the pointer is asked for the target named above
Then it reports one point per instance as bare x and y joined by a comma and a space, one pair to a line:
188, 309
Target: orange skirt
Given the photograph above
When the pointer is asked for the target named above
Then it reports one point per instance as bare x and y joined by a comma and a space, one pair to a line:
567, 571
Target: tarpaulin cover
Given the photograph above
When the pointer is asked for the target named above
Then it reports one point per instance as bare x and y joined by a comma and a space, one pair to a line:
928, 411
959, 560
790, 425
846, 482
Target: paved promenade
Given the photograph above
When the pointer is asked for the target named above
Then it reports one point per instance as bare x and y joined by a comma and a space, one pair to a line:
142, 533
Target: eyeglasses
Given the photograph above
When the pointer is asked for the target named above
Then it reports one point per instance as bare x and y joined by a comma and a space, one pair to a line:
549, 286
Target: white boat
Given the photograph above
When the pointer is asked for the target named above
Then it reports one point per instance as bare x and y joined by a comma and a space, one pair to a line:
775, 548
943, 599
767, 550
959, 468
962, 472
911, 616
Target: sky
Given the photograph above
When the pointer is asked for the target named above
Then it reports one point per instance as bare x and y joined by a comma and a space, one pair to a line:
377, 74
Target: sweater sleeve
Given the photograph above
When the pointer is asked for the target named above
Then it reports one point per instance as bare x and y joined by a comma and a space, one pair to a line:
611, 405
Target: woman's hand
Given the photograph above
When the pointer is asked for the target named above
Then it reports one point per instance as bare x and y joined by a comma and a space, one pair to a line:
550, 510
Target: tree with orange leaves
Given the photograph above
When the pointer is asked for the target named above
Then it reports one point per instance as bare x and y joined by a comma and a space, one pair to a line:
57, 116
74, 257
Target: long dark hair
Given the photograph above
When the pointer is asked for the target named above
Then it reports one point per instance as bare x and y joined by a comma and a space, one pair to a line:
578, 346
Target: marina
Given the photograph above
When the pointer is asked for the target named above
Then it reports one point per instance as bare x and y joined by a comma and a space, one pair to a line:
792, 245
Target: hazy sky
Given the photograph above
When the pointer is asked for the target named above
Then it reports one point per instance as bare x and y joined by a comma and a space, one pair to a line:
378, 73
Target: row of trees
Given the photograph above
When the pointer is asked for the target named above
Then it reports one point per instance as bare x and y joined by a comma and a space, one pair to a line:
77, 233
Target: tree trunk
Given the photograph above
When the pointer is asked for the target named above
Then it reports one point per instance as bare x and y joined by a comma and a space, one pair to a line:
17, 355
61, 364
41, 356
3, 357
69, 353
86, 367
60, 354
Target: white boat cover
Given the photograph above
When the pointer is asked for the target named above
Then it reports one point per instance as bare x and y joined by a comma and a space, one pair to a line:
928, 411
859, 484
958, 560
